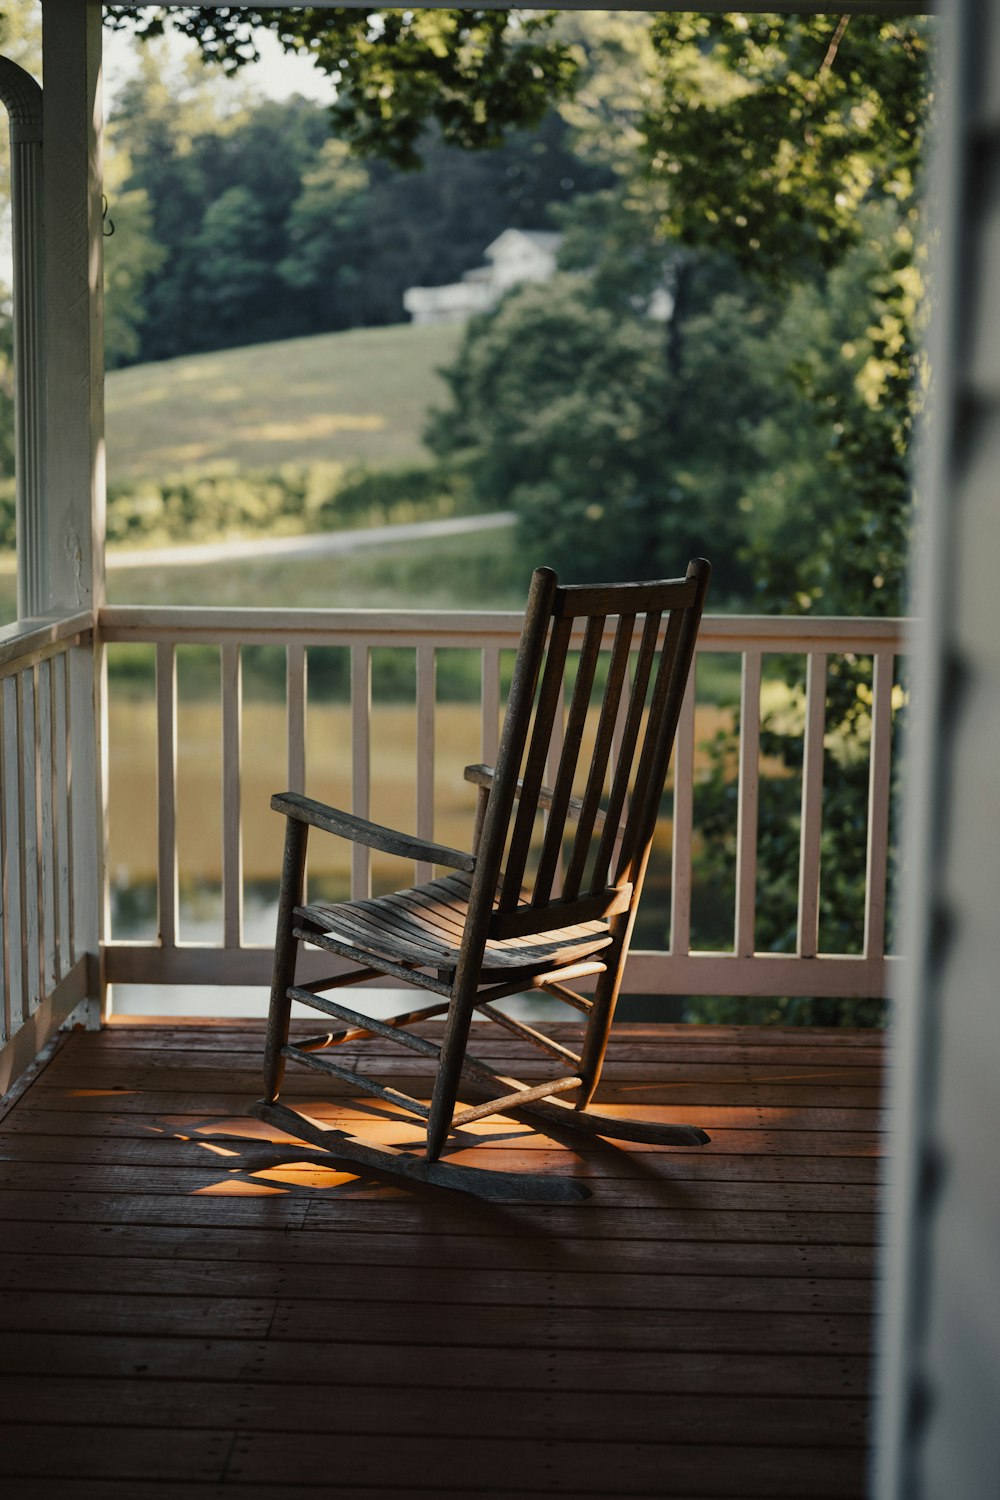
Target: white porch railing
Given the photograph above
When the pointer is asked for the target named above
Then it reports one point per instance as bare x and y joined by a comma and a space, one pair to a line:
48, 833
680, 970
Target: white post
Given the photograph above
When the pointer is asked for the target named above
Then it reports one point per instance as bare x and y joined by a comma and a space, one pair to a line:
72, 107
74, 363
22, 97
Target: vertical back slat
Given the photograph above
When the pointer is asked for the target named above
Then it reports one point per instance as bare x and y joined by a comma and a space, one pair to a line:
879, 784
425, 750
510, 749
680, 854
617, 742
749, 788
361, 708
612, 843
812, 806
552, 761
647, 787
549, 702
61, 756
30, 883
46, 802
569, 757
232, 796
166, 781
608, 724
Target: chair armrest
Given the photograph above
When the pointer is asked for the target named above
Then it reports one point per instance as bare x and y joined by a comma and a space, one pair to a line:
483, 776
361, 831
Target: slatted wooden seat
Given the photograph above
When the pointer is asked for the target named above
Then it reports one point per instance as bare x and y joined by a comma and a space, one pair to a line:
518, 914
424, 926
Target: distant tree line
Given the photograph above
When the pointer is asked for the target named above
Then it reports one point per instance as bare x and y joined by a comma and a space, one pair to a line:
237, 224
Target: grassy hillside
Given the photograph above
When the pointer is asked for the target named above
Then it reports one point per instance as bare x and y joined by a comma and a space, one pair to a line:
358, 397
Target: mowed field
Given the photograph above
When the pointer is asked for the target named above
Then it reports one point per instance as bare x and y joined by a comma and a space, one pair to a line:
354, 398
359, 397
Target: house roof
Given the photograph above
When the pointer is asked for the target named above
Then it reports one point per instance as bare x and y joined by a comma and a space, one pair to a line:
539, 239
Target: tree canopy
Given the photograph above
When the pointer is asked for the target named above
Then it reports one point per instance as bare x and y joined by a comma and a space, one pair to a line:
473, 74
775, 131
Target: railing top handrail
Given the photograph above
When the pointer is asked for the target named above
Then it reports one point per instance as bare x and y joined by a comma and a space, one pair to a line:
25, 637
194, 624
805, 632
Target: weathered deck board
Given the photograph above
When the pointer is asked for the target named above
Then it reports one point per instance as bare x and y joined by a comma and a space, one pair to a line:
757, 1144
193, 1305
560, 1414
341, 1363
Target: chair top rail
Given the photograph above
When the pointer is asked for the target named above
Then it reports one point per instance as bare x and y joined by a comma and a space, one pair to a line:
31, 640
592, 599
192, 624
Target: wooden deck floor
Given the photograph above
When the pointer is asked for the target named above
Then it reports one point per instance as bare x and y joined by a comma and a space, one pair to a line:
193, 1308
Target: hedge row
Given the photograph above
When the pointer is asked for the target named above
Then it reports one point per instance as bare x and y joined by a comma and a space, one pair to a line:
221, 500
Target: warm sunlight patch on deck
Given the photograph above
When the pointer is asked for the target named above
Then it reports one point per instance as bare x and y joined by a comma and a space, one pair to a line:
195, 1306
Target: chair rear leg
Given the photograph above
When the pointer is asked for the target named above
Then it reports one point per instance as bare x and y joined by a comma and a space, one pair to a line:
602, 1014
285, 951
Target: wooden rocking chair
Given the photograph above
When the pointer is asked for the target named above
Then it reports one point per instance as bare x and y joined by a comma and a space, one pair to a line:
492, 929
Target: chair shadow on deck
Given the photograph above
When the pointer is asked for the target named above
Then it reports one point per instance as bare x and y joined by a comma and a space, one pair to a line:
254, 1155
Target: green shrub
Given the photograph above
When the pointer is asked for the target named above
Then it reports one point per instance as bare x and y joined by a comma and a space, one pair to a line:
374, 497
203, 504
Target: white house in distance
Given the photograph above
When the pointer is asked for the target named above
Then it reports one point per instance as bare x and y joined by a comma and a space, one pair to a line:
516, 256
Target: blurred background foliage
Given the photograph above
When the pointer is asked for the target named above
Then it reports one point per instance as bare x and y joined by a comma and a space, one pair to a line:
728, 361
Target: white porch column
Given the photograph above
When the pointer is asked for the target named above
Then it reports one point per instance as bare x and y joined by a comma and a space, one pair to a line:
72, 114
939, 1391
22, 97
75, 464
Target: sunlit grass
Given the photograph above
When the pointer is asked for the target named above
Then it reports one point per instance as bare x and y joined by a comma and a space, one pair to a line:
359, 397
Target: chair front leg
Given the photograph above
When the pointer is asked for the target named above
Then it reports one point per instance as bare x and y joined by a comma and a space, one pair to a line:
285, 950
449, 1071
602, 1012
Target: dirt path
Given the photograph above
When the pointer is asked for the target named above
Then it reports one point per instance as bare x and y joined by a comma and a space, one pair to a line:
317, 544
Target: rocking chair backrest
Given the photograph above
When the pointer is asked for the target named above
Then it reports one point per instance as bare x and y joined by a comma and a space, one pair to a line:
617, 797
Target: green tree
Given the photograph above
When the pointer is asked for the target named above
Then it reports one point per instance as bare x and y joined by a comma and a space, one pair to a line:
220, 177
131, 258
236, 273
837, 450
773, 132
794, 145
622, 442
329, 212
558, 413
